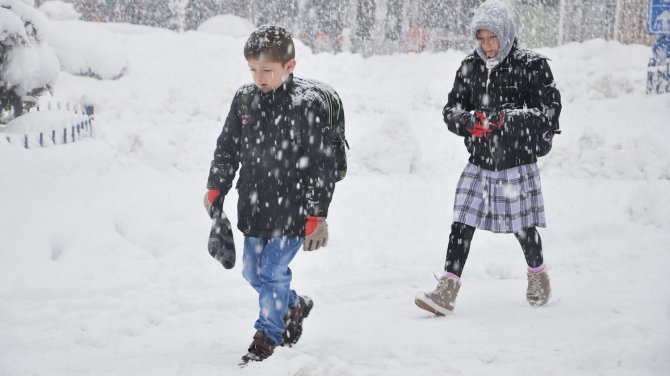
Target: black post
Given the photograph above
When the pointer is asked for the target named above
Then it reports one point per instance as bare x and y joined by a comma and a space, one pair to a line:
89, 109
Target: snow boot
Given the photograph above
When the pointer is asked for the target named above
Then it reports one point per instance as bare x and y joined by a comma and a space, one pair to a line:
293, 320
261, 348
539, 289
441, 300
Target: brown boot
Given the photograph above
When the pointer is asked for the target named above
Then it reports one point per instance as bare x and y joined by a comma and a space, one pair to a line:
294, 318
261, 348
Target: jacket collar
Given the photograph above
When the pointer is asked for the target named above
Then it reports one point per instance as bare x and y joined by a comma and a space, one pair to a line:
279, 92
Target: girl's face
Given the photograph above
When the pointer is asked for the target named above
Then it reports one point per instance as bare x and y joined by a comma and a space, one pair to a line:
269, 75
489, 42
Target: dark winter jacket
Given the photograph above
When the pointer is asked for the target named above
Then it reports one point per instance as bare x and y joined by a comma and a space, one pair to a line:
282, 179
522, 88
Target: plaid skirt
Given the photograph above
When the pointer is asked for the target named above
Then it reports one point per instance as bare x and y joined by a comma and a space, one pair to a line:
500, 201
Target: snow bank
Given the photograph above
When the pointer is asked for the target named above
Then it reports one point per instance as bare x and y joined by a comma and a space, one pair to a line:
606, 69
601, 137
395, 150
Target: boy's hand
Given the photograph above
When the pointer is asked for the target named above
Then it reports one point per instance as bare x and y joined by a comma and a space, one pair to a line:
316, 233
213, 200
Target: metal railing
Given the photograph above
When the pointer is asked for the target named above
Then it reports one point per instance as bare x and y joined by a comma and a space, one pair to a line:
79, 127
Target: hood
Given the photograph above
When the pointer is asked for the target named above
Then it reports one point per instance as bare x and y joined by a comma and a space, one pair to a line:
494, 15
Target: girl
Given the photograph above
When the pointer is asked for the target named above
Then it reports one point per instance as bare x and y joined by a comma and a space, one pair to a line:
506, 106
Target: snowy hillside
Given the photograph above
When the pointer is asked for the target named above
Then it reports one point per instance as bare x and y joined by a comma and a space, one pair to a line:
103, 261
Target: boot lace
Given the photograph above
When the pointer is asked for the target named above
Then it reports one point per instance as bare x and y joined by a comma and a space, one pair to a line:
535, 284
442, 285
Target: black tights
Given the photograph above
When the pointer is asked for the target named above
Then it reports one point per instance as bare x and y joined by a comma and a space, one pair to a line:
461, 236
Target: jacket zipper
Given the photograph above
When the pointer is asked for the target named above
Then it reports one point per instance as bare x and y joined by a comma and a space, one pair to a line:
488, 81
489, 70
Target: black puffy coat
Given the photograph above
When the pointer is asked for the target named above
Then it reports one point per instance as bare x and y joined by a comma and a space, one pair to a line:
522, 88
282, 179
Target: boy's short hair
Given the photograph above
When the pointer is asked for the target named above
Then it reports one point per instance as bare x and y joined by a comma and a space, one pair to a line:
270, 42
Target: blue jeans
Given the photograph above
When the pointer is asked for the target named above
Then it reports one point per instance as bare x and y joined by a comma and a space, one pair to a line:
266, 268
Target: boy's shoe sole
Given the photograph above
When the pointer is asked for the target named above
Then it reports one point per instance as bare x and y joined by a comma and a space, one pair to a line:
246, 359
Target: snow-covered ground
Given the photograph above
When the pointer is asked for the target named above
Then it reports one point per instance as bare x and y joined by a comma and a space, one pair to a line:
104, 268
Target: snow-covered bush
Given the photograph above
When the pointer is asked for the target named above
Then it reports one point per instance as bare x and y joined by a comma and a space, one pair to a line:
27, 64
58, 10
228, 24
87, 49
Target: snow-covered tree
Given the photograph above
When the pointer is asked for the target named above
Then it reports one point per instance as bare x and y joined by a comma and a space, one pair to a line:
276, 12
27, 64
59, 10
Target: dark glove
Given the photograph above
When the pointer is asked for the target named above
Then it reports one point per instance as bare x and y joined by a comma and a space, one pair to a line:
221, 245
213, 200
490, 118
316, 233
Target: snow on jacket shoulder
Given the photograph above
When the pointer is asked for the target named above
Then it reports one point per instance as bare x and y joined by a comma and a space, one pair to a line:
282, 179
521, 87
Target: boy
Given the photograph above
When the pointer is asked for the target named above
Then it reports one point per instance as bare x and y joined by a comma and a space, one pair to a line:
505, 104
277, 131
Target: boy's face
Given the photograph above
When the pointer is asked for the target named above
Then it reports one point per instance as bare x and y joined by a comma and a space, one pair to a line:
269, 75
489, 42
